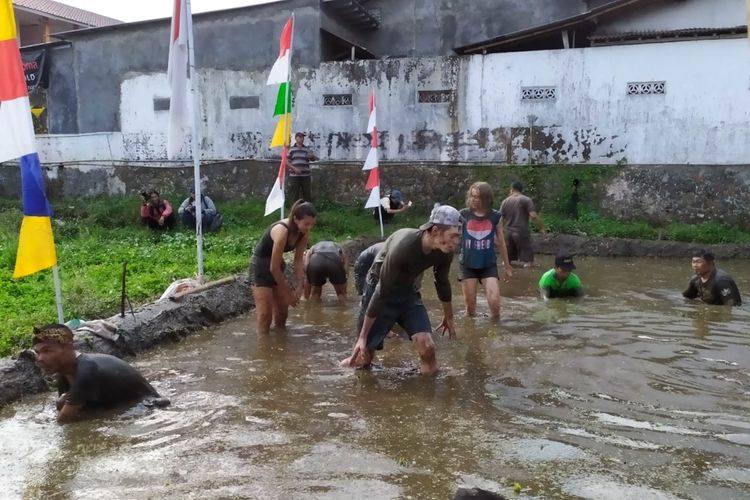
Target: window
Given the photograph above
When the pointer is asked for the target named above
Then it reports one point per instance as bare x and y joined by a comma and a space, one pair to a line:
337, 99
434, 96
244, 102
538, 93
645, 88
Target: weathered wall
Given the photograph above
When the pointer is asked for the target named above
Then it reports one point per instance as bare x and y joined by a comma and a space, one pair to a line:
678, 14
231, 39
414, 28
657, 194
591, 120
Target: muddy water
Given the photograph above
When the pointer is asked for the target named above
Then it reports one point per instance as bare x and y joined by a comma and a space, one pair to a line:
628, 394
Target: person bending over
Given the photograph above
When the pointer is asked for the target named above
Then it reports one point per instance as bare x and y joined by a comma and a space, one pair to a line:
391, 295
272, 293
88, 382
325, 261
362, 265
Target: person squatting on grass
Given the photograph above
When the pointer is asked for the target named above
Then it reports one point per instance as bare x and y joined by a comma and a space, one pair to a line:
391, 295
272, 293
156, 213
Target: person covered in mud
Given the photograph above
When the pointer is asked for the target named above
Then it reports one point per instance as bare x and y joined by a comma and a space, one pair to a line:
710, 284
561, 281
362, 265
391, 295
481, 237
272, 292
325, 261
87, 382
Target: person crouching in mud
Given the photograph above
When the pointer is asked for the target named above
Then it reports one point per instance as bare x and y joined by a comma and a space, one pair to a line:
85, 381
391, 295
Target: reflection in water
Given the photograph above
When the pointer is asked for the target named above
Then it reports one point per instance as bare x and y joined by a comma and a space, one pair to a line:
629, 393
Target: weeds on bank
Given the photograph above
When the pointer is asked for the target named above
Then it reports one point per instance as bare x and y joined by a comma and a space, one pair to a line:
95, 236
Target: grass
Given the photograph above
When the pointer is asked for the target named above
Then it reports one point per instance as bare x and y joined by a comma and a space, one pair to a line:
95, 237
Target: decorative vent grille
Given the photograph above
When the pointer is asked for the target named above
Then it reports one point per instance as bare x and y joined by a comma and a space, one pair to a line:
538, 93
435, 96
645, 88
337, 99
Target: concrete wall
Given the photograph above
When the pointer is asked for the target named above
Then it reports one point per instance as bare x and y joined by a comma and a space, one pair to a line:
703, 118
101, 60
679, 14
413, 28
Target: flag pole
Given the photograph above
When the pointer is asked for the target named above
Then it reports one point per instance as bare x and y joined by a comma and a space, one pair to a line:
195, 146
58, 294
380, 195
287, 111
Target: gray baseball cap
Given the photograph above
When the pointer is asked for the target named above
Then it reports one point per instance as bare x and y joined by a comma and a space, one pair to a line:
444, 215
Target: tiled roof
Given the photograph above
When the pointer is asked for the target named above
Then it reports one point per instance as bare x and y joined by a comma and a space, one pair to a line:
666, 34
66, 12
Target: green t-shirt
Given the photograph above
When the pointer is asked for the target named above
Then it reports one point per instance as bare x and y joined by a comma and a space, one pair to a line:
571, 287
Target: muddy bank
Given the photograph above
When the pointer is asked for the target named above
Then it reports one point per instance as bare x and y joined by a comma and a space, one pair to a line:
622, 247
147, 326
139, 330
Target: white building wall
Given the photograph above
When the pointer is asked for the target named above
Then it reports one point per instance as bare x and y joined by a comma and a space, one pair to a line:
703, 118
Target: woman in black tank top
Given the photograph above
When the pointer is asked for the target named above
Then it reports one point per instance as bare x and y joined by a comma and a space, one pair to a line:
272, 293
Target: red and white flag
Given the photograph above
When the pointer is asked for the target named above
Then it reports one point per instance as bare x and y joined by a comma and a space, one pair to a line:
371, 164
178, 74
275, 200
280, 71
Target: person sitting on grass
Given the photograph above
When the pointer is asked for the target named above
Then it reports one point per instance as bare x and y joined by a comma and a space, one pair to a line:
561, 281
211, 220
156, 213
87, 382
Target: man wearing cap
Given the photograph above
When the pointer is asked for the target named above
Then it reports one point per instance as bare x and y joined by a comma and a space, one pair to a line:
390, 206
561, 281
299, 158
710, 284
88, 381
392, 296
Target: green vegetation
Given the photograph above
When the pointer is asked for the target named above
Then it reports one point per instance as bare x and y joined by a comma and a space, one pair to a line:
94, 237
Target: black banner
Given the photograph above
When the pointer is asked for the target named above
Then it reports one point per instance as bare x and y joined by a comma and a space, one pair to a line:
33, 68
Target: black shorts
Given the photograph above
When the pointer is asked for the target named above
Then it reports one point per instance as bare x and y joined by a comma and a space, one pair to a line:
402, 306
324, 267
468, 273
519, 246
260, 272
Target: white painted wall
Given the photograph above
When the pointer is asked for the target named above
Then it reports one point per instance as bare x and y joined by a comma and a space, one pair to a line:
704, 118
679, 14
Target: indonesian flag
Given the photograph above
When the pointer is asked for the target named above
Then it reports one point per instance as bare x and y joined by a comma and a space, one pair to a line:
178, 75
371, 164
275, 200
36, 244
280, 70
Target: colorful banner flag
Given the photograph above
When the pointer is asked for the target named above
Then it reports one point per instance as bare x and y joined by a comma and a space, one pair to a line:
371, 163
281, 75
280, 70
178, 75
36, 245
275, 200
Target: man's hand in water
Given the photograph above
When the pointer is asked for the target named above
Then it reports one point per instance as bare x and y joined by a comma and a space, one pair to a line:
447, 326
358, 352
507, 273
292, 297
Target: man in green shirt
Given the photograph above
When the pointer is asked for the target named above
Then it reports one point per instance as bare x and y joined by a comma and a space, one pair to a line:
561, 281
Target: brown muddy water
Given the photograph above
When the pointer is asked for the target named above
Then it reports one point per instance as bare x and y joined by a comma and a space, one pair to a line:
630, 393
